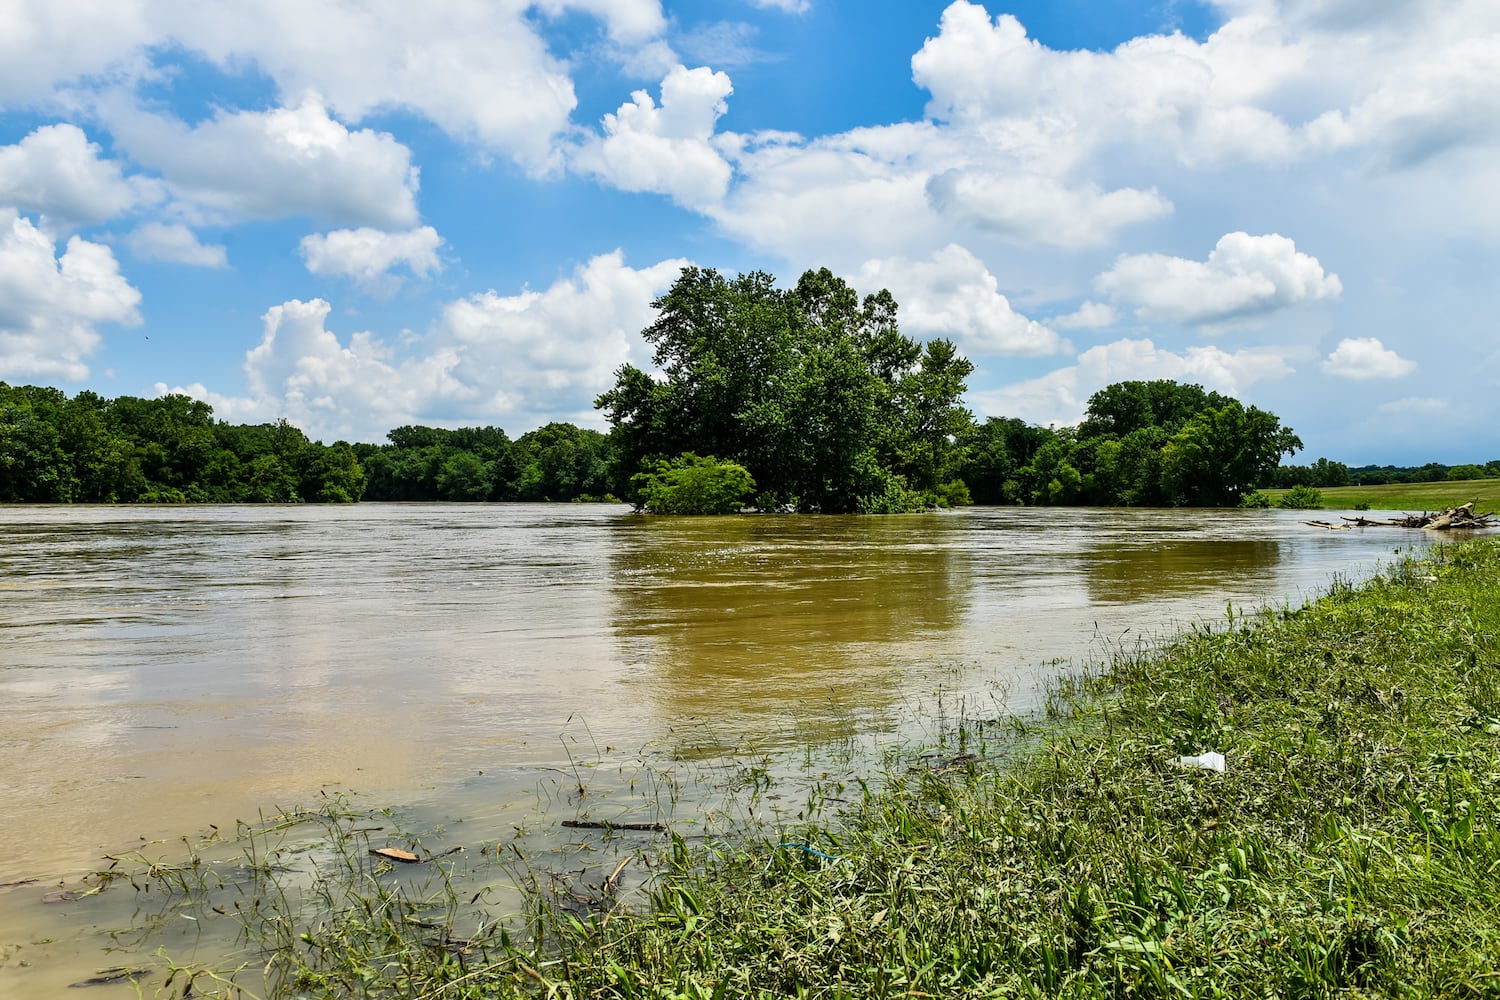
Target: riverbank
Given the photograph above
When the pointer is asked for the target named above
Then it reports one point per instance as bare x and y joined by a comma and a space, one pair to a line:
1485, 494
1350, 845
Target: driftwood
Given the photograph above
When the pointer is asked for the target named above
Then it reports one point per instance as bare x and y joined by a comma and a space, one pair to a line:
602, 824
1454, 518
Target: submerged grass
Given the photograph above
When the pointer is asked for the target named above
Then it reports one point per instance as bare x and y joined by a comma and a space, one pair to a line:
1350, 848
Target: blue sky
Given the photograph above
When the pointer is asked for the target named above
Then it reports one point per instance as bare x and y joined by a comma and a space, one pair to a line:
360, 216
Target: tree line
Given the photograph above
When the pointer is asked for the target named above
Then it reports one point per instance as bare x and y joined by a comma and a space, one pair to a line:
1326, 473
806, 398
89, 449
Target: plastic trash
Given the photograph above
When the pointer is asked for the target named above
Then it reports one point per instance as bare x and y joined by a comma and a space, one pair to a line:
1211, 761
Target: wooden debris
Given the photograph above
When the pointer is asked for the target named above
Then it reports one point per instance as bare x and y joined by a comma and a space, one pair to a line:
590, 824
395, 854
1460, 518
107, 976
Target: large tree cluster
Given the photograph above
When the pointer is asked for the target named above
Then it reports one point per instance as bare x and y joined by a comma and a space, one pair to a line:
812, 390
89, 449
1155, 443
554, 462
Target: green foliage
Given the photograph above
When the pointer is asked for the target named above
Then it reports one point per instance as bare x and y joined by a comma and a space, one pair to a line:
1255, 500
1300, 498
1140, 444
1220, 453
1466, 472
1321, 473
813, 390
166, 450
992, 452
556, 462
954, 493
693, 484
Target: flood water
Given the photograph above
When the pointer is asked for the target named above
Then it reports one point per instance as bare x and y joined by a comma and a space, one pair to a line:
162, 669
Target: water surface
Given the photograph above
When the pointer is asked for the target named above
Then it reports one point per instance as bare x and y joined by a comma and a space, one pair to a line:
166, 668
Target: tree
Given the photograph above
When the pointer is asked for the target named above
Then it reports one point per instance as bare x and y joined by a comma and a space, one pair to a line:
813, 390
463, 476
1124, 407
561, 462
992, 452
1220, 454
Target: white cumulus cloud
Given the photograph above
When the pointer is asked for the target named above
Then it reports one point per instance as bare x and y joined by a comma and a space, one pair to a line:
272, 164
1089, 315
369, 255
785, 6
58, 173
51, 306
953, 295
666, 148
551, 352
175, 243
481, 71
1364, 358
1415, 406
302, 371
1033, 208
1061, 396
517, 360
1244, 276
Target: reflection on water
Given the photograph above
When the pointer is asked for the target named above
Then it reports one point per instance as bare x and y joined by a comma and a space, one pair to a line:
166, 668
789, 617
1127, 574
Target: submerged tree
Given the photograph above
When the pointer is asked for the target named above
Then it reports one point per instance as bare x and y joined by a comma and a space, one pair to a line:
815, 392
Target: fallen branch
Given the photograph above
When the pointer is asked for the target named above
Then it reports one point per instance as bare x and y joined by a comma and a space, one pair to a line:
599, 824
1460, 518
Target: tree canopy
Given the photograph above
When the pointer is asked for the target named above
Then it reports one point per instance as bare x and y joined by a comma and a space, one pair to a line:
1157, 443
89, 449
808, 399
812, 390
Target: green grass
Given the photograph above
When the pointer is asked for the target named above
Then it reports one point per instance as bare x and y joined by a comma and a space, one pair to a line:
1409, 496
1351, 848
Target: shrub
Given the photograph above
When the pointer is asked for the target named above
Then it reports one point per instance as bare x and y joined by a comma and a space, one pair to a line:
1255, 499
693, 484
891, 495
1301, 498
952, 494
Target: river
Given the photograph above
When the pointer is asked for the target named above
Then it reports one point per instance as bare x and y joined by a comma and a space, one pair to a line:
163, 669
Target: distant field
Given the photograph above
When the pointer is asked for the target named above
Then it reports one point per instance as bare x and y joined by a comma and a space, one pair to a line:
1411, 496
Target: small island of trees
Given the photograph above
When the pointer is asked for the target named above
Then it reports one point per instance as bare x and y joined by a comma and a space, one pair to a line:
806, 399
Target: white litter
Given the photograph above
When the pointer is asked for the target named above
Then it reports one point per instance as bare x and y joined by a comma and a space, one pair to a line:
1210, 761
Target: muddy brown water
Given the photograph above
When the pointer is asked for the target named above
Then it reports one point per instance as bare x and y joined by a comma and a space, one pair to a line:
163, 669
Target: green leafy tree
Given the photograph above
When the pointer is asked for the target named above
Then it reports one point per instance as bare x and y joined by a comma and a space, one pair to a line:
992, 452
561, 462
813, 390
1219, 454
1050, 479
464, 476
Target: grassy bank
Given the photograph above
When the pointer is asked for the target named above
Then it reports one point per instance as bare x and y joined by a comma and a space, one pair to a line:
1409, 496
1349, 848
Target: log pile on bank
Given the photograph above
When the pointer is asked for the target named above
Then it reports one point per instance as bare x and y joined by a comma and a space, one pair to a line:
1454, 518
